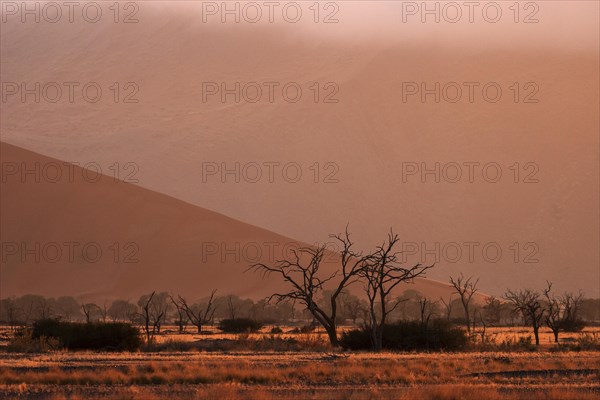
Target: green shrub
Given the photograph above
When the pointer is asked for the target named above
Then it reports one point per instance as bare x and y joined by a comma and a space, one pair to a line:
114, 336
239, 325
410, 335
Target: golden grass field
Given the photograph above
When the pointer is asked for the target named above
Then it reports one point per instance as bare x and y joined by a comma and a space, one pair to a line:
496, 333
315, 373
301, 375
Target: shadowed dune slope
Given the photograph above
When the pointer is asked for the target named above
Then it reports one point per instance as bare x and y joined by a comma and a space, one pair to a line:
177, 246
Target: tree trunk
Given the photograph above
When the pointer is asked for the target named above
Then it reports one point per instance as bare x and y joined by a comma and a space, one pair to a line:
555, 332
199, 327
328, 325
378, 340
537, 336
331, 332
468, 319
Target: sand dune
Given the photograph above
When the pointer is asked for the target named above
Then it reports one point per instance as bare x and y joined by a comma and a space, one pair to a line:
164, 243
363, 139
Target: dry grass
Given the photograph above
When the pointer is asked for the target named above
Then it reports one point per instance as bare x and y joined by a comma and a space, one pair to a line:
263, 366
498, 334
236, 392
312, 375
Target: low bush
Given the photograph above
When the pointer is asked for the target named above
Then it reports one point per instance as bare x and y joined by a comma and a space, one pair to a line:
114, 336
239, 325
573, 325
23, 342
585, 342
410, 335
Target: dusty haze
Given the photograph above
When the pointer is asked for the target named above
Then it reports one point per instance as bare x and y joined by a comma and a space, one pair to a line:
366, 136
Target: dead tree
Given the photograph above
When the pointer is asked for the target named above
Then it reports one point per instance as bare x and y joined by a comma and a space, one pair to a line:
45, 311
104, 310
466, 289
561, 310
9, 306
447, 307
88, 310
528, 303
492, 310
182, 317
231, 308
159, 310
197, 315
571, 303
302, 273
426, 309
382, 273
145, 315
154, 310
482, 333
353, 309
554, 314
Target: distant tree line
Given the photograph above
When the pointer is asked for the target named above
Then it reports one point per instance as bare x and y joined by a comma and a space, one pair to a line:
156, 309
562, 312
314, 297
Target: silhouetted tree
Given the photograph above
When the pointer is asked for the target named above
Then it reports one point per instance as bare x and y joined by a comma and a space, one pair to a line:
466, 289
91, 311
104, 311
447, 307
182, 317
160, 310
68, 308
562, 311
9, 311
306, 284
492, 310
122, 310
571, 304
589, 309
382, 273
198, 315
529, 304
427, 309
144, 304
154, 310
354, 308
